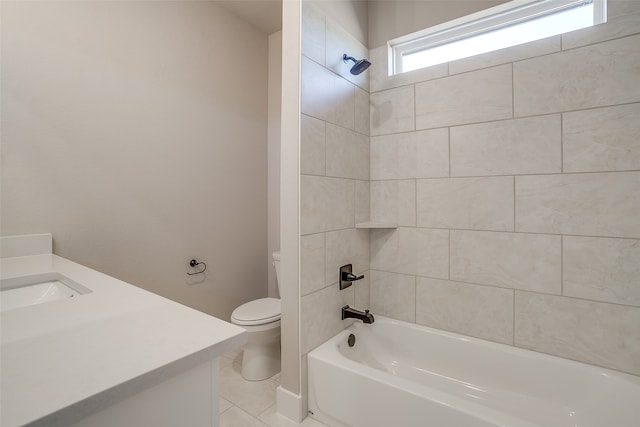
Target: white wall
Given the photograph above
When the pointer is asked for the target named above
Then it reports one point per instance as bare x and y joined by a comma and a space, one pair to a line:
389, 19
136, 133
275, 101
289, 399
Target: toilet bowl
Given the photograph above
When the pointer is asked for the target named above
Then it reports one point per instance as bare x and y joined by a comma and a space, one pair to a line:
261, 319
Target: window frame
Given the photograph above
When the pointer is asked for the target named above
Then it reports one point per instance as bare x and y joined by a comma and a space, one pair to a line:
503, 15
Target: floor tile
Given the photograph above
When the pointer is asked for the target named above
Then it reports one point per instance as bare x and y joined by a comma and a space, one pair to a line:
224, 405
251, 396
233, 354
310, 422
273, 419
236, 417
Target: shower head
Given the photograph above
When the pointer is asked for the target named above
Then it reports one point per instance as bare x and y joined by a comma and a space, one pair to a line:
359, 66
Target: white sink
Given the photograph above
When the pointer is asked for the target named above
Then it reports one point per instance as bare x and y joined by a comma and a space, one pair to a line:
23, 291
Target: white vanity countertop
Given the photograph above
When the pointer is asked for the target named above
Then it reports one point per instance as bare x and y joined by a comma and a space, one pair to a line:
63, 360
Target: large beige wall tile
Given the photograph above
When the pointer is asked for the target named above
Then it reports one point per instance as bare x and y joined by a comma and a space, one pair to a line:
467, 203
313, 33
347, 153
312, 146
394, 202
502, 56
415, 251
617, 8
392, 111
511, 260
326, 95
379, 78
602, 334
362, 118
421, 154
480, 311
478, 96
342, 111
349, 246
326, 204
312, 265
594, 204
340, 42
317, 85
617, 25
393, 295
592, 76
363, 201
363, 292
602, 139
321, 317
601, 269
519, 146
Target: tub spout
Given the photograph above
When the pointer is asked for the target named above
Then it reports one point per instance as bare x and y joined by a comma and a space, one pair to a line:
365, 316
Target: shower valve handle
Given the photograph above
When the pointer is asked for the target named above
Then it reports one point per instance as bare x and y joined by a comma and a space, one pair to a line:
350, 277
347, 277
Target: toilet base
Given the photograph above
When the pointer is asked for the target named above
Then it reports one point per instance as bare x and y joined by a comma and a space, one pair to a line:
261, 354
260, 362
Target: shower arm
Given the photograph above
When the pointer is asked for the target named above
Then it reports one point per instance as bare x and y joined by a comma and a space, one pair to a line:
346, 58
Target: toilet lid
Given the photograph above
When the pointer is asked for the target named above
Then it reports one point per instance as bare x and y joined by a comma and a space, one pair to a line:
257, 312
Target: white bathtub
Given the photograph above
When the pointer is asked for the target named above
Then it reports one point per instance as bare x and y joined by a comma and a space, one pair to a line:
402, 375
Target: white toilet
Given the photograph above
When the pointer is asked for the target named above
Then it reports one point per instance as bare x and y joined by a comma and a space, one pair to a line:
261, 319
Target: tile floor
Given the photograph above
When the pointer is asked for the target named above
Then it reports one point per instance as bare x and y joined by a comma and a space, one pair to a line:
250, 403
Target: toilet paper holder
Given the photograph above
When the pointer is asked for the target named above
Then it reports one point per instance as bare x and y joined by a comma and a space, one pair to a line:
194, 263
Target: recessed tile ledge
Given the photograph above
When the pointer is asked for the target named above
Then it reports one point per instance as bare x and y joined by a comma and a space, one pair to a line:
371, 224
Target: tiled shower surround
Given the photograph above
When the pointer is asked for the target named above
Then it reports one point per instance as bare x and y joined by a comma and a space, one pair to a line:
513, 176
334, 181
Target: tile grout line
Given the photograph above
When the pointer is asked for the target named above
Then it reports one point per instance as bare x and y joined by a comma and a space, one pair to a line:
513, 334
415, 120
461, 282
415, 282
514, 204
445, 125
449, 140
324, 264
562, 143
496, 176
415, 195
449, 272
562, 265
324, 133
513, 90
533, 233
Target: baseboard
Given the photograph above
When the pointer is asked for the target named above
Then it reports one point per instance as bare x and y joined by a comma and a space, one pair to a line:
289, 405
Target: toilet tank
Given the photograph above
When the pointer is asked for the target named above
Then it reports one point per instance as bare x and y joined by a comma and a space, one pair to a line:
276, 264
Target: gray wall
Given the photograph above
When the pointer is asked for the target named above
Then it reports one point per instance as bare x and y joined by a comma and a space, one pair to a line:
131, 132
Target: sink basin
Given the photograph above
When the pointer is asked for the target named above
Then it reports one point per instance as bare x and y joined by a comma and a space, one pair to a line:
23, 291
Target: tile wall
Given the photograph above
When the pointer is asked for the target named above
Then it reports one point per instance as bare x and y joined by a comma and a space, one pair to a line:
514, 177
334, 177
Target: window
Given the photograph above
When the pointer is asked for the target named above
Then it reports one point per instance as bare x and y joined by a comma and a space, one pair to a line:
509, 24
